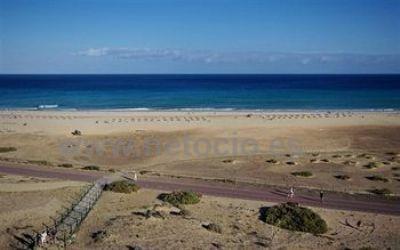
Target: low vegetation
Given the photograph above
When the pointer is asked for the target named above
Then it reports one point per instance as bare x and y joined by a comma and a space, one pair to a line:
123, 186
302, 174
273, 161
65, 165
7, 149
177, 198
99, 235
295, 218
373, 164
377, 178
366, 156
342, 177
76, 133
91, 167
381, 191
40, 162
213, 228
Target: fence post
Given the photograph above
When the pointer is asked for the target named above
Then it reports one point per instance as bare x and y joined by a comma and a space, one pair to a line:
65, 241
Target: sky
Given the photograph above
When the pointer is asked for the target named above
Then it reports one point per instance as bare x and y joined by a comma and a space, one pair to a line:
203, 36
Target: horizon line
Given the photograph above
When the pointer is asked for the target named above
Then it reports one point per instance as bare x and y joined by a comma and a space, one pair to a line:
383, 73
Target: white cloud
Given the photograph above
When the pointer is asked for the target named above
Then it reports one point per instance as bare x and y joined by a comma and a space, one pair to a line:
259, 57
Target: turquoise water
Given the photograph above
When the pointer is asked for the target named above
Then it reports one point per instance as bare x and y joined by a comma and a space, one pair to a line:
201, 92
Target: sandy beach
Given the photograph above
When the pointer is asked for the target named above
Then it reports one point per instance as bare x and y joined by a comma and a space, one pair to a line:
250, 147
341, 150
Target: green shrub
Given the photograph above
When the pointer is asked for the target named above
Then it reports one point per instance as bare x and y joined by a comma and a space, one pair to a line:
302, 173
123, 186
377, 178
177, 198
381, 191
7, 149
373, 164
295, 218
65, 165
91, 167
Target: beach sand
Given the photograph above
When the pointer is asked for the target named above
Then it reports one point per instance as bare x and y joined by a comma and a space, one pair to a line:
232, 145
340, 149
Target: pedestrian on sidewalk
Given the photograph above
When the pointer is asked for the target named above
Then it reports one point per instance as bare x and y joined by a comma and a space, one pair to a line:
134, 176
291, 193
321, 195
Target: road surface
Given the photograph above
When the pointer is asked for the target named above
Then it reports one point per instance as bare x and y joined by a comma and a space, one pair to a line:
365, 203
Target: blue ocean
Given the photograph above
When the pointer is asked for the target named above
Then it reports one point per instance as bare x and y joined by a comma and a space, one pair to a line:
201, 92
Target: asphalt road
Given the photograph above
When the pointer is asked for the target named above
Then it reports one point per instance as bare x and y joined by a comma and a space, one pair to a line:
365, 203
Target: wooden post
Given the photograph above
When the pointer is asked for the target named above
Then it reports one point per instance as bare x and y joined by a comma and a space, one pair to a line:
65, 241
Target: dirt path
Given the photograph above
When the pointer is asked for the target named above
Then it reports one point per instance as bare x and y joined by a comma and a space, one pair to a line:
366, 203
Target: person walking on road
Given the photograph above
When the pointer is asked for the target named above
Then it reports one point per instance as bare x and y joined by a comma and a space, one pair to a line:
321, 195
134, 176
291, 193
